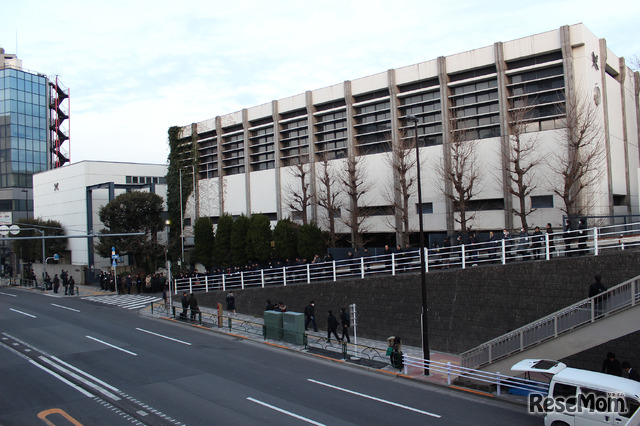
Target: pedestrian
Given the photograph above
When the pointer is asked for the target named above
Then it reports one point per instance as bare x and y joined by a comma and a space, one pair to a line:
344, 319
65, 281
332, 326
568, 238
310, 316
128, 283
611, 365
193, 305
165, 294
632, 373
231, 303
72, 285
582, 237
523, 244
269, 306
185, 305
536, 247
552, 245
595, 290
56, 283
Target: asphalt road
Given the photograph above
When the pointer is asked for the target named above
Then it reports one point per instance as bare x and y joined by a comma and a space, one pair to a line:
70, 360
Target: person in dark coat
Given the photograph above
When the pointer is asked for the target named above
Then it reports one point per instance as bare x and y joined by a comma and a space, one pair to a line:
231, 302
193, 305
568, 238
332, 326
185, 305
72, 286
594, 291
310, 316
56, 283
611, 365
344, 319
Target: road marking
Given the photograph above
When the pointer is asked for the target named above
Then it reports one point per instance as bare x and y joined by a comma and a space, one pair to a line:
8, 294
23, 313
62, 379
42, 415
65, 307
84, 373
113, 346
81, 379
288, 413
395, 404
163, 336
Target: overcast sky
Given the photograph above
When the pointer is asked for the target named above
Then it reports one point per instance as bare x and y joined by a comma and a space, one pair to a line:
137, 67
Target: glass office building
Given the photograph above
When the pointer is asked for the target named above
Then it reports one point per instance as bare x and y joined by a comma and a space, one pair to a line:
25, 136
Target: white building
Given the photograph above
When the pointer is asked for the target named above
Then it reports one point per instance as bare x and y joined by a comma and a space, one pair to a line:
73, 195
244, 159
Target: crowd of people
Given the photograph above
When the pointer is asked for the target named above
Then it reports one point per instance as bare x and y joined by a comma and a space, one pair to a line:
149, 283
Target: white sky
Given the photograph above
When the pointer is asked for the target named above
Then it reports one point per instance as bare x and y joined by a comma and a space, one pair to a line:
137, 67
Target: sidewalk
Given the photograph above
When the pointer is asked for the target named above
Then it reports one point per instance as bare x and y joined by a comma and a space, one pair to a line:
370, 353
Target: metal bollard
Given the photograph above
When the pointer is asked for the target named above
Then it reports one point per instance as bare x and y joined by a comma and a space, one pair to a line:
344, 350
173, 309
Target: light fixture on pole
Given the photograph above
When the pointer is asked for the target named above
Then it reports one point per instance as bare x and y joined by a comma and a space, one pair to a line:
423, 269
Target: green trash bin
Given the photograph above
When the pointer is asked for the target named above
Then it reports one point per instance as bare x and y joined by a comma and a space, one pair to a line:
273, 325
293, 325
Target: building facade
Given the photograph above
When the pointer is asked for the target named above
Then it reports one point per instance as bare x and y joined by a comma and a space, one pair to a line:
246, 160
74, 194
28, 115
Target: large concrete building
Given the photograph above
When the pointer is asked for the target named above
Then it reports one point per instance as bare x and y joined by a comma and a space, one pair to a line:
245, 160
73, 195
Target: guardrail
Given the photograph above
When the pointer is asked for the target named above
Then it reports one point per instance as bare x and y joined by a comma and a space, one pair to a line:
452, 372
620, 297
501, 251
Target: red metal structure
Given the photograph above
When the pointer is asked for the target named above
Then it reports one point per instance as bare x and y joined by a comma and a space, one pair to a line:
59, 112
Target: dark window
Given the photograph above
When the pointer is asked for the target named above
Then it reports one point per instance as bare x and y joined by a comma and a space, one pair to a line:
542, 201
567, 392
427, 208
488, 204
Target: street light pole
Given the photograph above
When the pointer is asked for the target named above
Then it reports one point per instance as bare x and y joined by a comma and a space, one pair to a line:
423, 270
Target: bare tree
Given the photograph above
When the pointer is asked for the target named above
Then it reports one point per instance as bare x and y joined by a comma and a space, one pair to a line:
327, 197
355, 187
522, 160
580, 167
298, 196
634, 63
458, 175
402, 160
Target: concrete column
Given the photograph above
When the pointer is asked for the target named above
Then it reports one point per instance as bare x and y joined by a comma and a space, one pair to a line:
446, 136
275, 113
622, 77
607, 126
247, 161
195, 161
505, 145
311, 138
395, 141
220, 168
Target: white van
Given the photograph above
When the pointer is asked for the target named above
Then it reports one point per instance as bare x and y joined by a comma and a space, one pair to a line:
581, 397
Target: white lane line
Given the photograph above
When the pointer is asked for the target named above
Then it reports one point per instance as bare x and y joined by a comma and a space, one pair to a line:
8, 294
65, 307
23, 313
395, 404
77, 377
288, 413
62, 379
113, 346
84, 373
164, 337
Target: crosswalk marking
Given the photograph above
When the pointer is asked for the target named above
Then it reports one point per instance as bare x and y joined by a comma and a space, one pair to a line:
126, 301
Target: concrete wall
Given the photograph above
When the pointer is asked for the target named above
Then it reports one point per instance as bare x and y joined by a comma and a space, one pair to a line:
466, 307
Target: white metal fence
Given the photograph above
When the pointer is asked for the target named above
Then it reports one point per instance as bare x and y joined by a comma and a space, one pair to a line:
620, 297
452, 372
501, 251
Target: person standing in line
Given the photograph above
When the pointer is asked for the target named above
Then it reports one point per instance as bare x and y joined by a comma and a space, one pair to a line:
65, 281
193, 305
568, 238
582, 237
128, 283
552, 245
344, 319
537, 239
72, 286
310, 316
611, 365
185, 305
165, 294
594, 291
332, 326
231, 302
56, 283
139, 283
